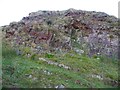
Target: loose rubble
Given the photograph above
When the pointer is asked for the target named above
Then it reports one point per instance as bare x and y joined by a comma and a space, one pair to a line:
85, 32
55, 63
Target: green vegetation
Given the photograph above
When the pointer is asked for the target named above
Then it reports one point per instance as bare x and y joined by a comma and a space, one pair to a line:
19, 71
49, 55
0, 58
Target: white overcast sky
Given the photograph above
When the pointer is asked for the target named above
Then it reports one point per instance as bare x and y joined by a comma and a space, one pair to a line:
14, 10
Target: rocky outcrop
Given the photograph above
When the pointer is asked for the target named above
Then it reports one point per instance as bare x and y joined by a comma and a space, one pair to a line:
52, 31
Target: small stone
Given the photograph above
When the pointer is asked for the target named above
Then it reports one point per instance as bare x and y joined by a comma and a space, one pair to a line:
33, 44
28, 55
42, 59
30, 76
60, 86
34, 78
56, 86
79, 51
45, 71
98, 53
48, 73
98, 58
97, 76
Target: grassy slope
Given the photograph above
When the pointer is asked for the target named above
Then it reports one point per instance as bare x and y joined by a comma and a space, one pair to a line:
0, 58
19, 71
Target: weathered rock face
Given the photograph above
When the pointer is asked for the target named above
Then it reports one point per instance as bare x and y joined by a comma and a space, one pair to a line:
51, 31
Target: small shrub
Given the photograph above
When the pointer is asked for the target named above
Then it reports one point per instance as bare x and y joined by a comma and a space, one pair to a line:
49, 55
33, 57
95, 56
